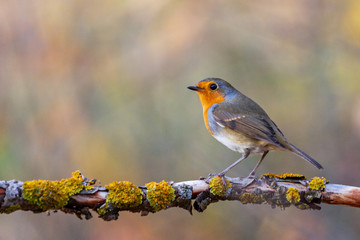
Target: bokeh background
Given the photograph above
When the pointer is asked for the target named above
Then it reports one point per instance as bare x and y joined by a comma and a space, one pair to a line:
101, 87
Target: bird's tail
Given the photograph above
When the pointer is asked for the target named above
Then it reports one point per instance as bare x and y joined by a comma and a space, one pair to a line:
305, 156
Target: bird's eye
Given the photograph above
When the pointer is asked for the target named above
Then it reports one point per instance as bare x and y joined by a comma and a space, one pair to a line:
213, 86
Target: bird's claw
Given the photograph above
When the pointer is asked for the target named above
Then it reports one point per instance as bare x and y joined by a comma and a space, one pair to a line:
223, 179
209, 177
251, 176
212, 175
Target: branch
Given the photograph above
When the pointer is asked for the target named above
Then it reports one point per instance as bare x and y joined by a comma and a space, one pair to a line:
79, 194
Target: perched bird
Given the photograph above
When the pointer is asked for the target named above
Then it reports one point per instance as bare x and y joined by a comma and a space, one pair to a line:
241, 124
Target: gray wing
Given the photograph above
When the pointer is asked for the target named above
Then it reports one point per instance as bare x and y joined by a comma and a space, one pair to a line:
250, 125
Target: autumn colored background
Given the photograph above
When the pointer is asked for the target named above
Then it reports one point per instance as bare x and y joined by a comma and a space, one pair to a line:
101, 87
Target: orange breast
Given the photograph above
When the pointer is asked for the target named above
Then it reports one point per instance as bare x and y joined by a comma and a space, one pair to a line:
208, 99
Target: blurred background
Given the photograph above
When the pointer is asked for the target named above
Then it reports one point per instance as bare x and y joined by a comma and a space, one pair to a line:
101, 87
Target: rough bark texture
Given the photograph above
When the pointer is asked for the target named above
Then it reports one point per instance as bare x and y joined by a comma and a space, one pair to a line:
276, 190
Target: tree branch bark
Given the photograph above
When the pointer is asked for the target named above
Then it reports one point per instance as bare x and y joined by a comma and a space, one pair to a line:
79, 194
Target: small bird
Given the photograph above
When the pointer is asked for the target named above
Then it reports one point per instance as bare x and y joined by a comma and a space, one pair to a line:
241, 124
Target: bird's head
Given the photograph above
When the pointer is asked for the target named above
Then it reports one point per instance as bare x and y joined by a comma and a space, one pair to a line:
213, 90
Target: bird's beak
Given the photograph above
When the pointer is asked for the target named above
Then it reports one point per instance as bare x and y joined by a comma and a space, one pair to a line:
195, 88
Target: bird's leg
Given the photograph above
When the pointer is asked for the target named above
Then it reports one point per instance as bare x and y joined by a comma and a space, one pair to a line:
222, 174
252, 173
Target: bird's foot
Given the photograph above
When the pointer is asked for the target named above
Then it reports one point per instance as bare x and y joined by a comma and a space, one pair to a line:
209, 177
212, 175
251, 175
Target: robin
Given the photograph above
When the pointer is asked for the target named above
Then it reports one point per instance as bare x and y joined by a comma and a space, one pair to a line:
241, 124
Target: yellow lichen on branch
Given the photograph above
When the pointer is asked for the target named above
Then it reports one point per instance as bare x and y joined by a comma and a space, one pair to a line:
53, 194
124, 194
285, 176
317, 183
217, 186
293, 195
160, 195
246, 198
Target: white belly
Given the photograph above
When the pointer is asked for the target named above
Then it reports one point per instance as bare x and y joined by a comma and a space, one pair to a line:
234, 140
239, 144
